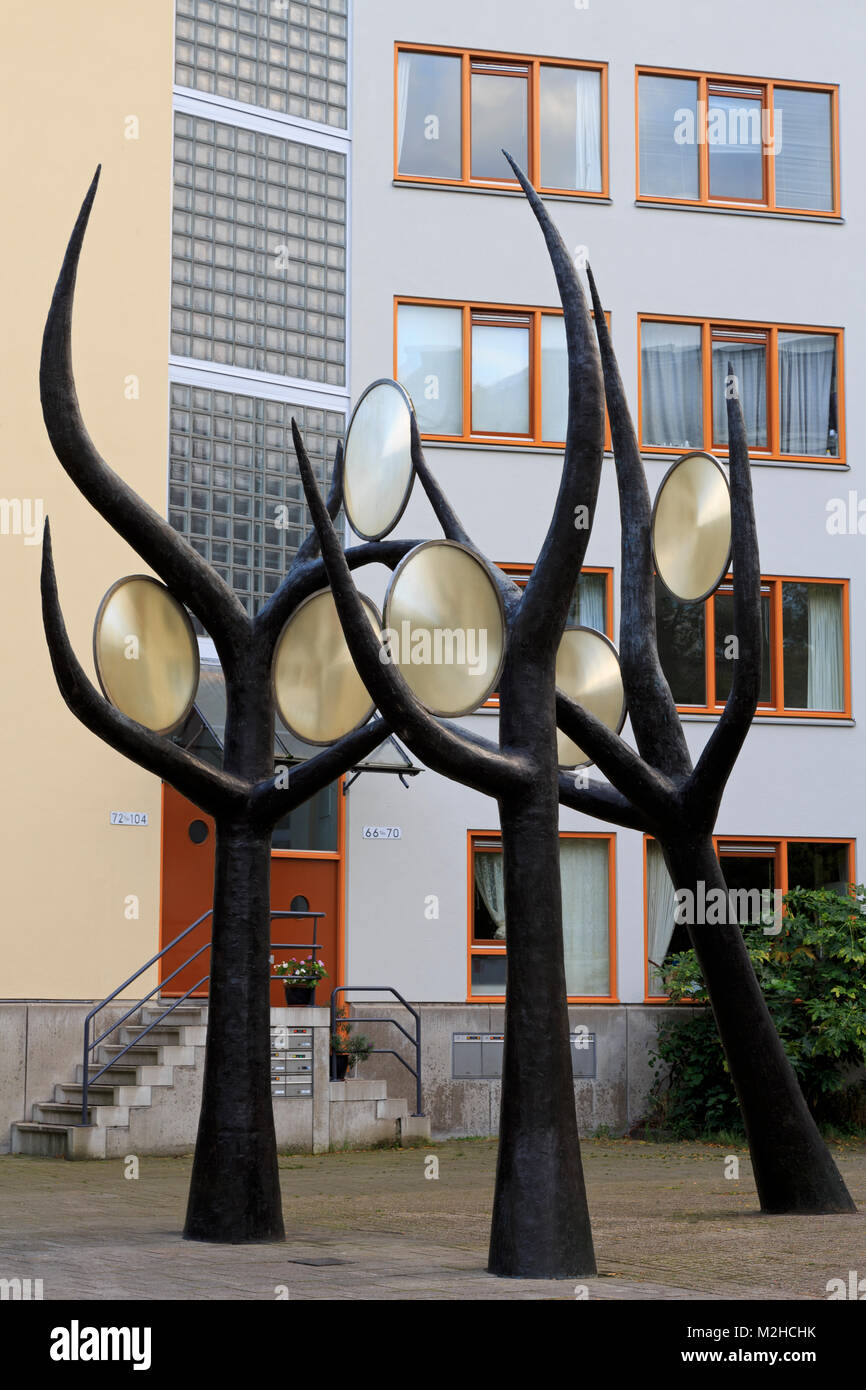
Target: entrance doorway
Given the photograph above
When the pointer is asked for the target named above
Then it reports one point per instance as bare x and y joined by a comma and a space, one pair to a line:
306, 867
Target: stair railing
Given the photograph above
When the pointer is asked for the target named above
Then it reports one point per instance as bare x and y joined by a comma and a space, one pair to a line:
90, 1046
415, 1041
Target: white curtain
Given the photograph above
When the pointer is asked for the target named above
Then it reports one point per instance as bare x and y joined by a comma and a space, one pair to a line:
671, 393
588, 606
804, 177
490, 882
585, 915
806, 362
749, 361
587, 172
660, 905
825, 677
404, 70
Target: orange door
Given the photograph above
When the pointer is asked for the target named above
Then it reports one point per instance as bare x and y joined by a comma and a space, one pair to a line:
299, 880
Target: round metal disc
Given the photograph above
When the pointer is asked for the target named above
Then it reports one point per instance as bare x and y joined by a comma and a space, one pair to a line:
587, 670
378, 472
146, 654
446, 623
319, 694
691, 527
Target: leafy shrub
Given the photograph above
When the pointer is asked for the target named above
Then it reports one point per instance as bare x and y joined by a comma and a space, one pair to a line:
813, 978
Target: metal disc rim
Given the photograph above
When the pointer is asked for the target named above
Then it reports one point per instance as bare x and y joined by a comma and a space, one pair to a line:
694, 453
304, 738
149, 579
581, 627
379, 535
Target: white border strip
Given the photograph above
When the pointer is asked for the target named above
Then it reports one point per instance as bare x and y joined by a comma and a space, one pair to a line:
213, 108
193, 371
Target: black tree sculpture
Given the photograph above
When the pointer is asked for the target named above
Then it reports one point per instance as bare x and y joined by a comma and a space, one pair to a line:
234, 1193
679, 803
540, 1223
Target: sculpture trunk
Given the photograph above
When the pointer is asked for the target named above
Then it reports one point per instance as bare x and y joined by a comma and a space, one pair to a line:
540, 1225
793, 1169
235, 1190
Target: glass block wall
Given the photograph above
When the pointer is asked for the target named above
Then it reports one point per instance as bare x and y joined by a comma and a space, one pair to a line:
289, 56
258, 252
234, 489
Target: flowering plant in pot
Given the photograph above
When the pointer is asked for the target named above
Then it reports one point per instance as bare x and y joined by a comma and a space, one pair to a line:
347, 1049
300, 978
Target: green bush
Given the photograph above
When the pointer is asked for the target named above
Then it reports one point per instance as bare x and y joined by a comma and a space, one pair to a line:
813, 978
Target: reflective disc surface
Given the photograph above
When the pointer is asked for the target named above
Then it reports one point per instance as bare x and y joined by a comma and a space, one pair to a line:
319, 694
378, 471
446, 623
692, 527
146, 653
587, 669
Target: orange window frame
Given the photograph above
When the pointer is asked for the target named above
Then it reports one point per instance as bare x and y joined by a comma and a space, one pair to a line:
711, 83
772, 584
777, 849
534, 65
522, 572
486, 949
729, 327
506, 312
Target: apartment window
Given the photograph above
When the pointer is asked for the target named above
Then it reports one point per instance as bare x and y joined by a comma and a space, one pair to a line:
718, 141
234, 487
484, 371
805, 662
749, 865
587, 876
789, 377
456, 110
287, 57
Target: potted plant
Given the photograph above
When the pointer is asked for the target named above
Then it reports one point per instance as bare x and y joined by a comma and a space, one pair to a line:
348, 1049
300, 978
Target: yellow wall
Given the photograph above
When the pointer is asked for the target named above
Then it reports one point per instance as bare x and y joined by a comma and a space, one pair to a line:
72, 75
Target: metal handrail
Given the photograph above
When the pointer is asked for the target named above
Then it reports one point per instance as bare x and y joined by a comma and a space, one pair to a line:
86, 1080
416, 1041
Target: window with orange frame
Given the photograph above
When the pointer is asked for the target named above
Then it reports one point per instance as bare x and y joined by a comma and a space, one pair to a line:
496, 373
749, 864
588, 875
707, 139
806, 667
789, 377
456, 109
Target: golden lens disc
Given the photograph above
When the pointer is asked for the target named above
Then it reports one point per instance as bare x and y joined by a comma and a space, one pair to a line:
588, 671
445, 623
146, 654
378, 471
691, 527
319, 694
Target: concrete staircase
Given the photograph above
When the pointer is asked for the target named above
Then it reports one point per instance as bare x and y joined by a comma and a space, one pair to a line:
149, 1101
133, 1085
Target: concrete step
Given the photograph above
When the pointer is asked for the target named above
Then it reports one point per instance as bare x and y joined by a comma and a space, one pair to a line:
58, 1112
103, 1095
38, 1140
188, 1014
415, 1127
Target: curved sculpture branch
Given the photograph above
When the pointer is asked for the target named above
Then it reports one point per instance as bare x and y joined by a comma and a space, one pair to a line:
216, 792
657, 728
602, 801
704, 789
271, 800
643, 786
441, 747
190, 578
310, 547
540, 620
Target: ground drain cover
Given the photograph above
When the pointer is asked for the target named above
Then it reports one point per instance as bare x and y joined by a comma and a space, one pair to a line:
319, 1262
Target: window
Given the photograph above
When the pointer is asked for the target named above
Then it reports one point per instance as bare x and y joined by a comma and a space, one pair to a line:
790, 383
749, 865
722, 141
587, 871
484, 371
592, 605
806, 647
456, 110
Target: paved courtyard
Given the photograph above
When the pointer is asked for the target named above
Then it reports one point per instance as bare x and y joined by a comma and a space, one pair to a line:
369, 1225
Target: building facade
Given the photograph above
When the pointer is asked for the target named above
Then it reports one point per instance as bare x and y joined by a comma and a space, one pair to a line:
300, 198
